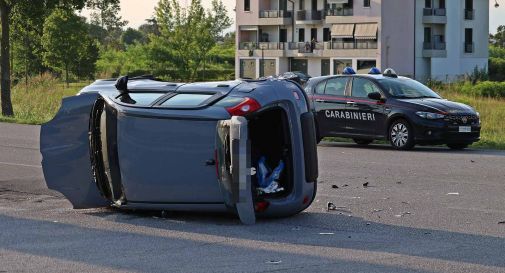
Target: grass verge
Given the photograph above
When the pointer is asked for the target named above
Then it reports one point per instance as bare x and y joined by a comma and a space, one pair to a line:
39, 102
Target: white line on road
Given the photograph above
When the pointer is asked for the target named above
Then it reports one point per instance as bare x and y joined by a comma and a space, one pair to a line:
19, 165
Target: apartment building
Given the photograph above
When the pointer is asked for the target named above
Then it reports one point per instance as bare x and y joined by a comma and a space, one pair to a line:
424, 39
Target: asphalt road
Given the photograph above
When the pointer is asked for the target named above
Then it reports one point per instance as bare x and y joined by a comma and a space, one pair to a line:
428, 210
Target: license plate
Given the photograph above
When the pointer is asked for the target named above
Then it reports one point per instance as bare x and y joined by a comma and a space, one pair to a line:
465, 129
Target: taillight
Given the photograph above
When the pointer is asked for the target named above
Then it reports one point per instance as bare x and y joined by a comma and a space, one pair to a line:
247, 106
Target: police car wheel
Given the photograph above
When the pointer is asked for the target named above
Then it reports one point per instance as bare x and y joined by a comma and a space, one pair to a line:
362, 141
401, 135
457, 146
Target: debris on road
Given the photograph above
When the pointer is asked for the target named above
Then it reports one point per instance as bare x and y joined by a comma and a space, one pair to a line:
331, 206
403, 214
398, 182
365, 185
377, 210
345, 185
274, 262
501, 223
334, 187
326, 233
453, 193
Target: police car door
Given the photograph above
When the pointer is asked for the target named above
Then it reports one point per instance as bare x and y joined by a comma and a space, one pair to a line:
330, 102
366, 116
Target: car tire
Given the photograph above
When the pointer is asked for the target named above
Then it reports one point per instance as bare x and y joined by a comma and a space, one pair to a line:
401, 135
362, 142
457, 146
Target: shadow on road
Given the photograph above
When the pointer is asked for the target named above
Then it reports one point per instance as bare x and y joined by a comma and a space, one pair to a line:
426, 149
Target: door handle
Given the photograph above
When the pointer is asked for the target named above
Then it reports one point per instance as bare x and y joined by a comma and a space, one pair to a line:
351, 103
318, 100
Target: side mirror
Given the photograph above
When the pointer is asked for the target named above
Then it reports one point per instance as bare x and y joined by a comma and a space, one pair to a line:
375, 96
122, 85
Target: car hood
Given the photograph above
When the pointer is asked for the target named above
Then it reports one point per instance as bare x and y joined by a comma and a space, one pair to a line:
441, 105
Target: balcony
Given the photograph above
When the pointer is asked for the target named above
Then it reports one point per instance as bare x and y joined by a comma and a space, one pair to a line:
469, 14
435, 16
261, 46
469, 47
309, 16
340, 12
434, 49
274, 17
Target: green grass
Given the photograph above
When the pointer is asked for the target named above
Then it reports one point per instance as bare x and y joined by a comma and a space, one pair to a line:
39, 102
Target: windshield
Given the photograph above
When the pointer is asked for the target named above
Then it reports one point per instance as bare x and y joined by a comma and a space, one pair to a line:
407, 89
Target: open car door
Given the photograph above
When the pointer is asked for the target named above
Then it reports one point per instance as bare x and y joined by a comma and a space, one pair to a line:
234, 167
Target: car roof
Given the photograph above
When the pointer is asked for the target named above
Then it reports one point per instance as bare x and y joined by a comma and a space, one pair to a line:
370, 76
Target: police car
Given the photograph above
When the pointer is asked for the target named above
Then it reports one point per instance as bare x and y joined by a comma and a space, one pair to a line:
385, 106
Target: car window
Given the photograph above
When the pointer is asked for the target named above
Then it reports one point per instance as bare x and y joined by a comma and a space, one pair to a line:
320, 87
185, 100
140, 99
362, 87
336, 86
407, 89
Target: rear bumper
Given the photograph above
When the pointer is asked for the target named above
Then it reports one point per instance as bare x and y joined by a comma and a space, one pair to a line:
440, 132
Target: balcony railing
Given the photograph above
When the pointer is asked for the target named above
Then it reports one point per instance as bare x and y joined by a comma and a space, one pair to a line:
354, 45
434, 12
261, 46
275, 14
469, 14
469, 47
340, 12
309, 15
434, 46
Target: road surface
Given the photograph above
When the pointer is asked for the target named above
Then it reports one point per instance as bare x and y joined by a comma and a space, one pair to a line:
427, 210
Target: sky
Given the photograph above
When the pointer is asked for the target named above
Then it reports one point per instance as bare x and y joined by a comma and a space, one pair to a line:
137, 11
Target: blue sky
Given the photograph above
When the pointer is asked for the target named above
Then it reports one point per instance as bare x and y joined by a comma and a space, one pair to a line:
136, 11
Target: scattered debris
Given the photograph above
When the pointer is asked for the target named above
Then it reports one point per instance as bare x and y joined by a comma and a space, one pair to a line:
453, 193
403, 214
274, 262
365, 185
427, 233
368, 224
405, 203
398, 182
326, 233
345, 185
473, 161
331, 206
55, 221
334, 187
377, 210
501, 223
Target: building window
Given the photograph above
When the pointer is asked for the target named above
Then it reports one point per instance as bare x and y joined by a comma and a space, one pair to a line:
301, 35
283, 35
247, 5
301, 5
340, 65
326, 34
469, 40
248, 69
366, 3
427, 4
365, 65
469, 12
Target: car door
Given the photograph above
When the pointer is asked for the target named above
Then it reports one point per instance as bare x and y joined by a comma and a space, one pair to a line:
330, 104
365, 115
233, 166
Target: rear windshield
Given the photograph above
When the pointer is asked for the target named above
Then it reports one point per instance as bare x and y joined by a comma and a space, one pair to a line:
140, 99
182, 100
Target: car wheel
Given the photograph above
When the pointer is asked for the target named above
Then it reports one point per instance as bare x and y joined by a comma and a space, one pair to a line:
457, 146
401, 135
363, 142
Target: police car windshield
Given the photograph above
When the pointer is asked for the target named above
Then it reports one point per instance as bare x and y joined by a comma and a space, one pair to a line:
407, 89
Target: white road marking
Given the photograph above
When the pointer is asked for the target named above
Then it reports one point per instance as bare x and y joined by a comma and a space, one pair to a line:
20, 165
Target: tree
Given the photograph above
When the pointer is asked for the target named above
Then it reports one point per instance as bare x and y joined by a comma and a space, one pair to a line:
10, 9
500, 36
132, 36
67, 44
188, 34
105, 15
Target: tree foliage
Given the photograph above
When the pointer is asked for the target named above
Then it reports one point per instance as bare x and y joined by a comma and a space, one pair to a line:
67, 46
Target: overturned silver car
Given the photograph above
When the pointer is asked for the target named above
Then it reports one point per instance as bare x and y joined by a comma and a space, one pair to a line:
247, 147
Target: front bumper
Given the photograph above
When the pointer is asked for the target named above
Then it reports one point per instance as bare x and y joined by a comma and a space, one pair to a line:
444, 132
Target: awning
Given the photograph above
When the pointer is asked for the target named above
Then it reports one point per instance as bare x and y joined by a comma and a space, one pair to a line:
342, 31
366, 31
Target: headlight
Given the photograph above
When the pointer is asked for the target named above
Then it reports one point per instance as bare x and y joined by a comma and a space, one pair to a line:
428, 115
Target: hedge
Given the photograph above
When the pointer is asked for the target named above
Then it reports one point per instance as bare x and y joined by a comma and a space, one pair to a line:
485, 89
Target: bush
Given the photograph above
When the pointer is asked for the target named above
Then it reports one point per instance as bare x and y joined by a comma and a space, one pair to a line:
497, 69
485, 89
